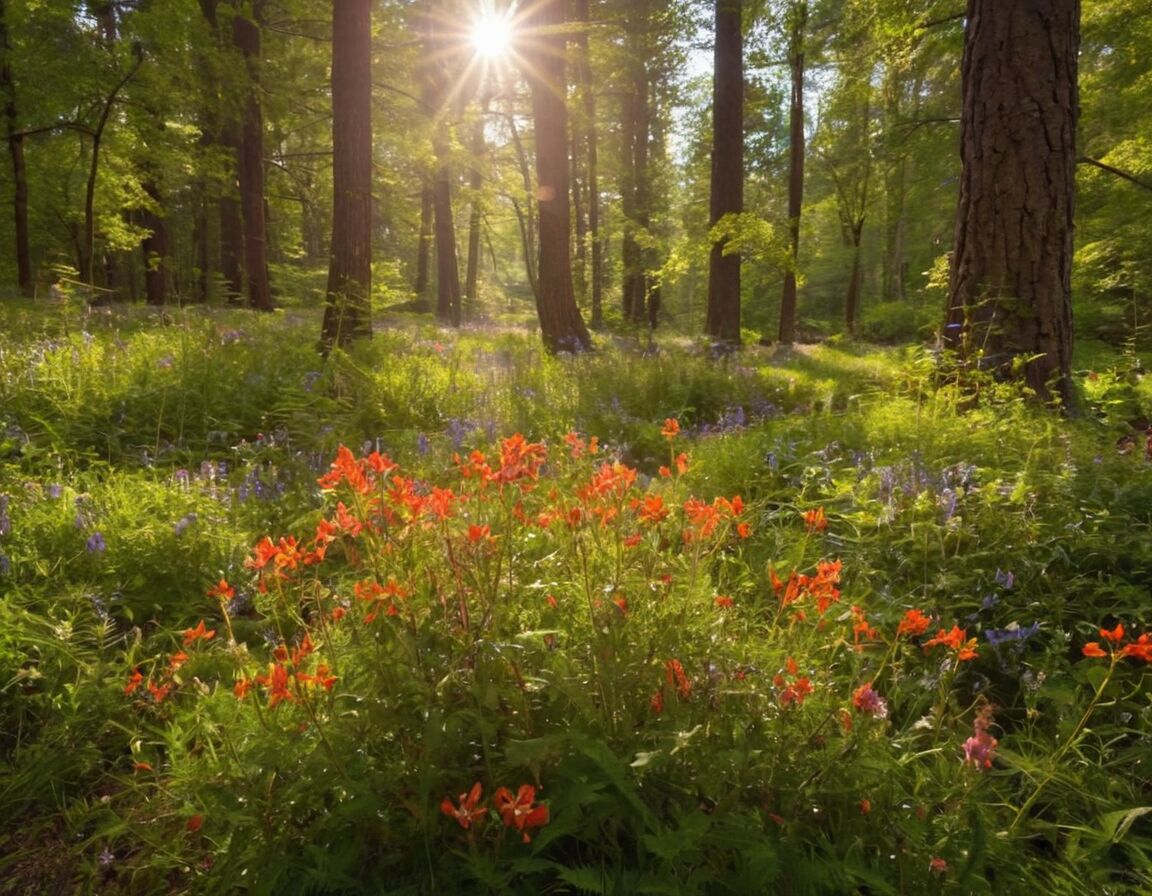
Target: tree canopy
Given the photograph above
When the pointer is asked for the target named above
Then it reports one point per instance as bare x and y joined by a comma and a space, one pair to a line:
183, 152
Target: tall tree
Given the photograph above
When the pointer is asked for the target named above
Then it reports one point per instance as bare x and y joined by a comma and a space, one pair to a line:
796, 27
247, 38
543, 51
347, 314
15, 139
436, 77
727, 184
1009, 305
590, 238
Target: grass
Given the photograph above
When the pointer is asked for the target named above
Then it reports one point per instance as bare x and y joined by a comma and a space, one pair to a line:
830, 633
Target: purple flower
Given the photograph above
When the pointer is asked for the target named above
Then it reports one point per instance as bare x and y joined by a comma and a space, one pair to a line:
96, 543
1005, 579
183, 523
5, 520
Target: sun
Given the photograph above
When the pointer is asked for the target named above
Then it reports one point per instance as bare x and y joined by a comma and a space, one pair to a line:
491, 33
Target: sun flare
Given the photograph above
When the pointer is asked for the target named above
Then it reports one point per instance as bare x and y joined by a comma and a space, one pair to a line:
492, 33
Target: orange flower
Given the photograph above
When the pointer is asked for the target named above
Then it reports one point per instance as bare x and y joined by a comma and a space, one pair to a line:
678, 678
199, 633
134, 681
194, 823
1115, 635
222, 590
651, 509
1141, 649
469, 809
1093, 649
478, 533
671, 428
518, 811
723, 601
957, 640
914, 623
815, 520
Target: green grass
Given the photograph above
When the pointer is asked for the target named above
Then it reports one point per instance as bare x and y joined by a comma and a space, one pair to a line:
540, 614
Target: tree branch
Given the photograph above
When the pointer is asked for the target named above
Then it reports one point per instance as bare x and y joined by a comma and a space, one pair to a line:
1084, 160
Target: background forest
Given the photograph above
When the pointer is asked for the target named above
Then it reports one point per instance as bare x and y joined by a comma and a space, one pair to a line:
144, 139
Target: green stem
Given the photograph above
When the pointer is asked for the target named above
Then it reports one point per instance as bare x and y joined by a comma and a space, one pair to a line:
1071, 740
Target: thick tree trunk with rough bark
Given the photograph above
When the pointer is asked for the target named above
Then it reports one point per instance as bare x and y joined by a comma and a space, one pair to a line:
246, 37
1009, 307
16, 152
543, 45
347, 314
723, 316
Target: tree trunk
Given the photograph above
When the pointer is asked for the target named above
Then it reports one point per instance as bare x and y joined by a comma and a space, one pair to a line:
722, 322
476, 210
590, 136
19, 170
852, 297
447, 268
637, 204
561, 325
1009, 307
157, 261
246, 37
347, 313
424, 249
798, 24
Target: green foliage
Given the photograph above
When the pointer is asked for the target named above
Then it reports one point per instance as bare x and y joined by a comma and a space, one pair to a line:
681, 676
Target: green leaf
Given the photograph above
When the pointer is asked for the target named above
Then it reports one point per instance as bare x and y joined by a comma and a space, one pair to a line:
1115, 825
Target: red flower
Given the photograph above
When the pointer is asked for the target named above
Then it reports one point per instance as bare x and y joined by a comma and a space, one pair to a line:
677, 678
194, 823
723, 601
1093, 649
200, 633
1141, 649
518, 811
469, 809
136, 679
1115, 635
815, 520
955, 640
914, 623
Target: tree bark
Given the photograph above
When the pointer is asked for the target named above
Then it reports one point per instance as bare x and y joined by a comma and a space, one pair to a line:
1009, 306
561, 325
722, 322
347, 313
246, 37
590, 134
155, 248
796, 146
19, 169
424, 249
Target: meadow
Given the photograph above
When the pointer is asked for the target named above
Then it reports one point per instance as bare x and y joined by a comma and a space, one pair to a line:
446, 614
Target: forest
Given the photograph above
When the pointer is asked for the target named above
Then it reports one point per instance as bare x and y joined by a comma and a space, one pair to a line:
570, 446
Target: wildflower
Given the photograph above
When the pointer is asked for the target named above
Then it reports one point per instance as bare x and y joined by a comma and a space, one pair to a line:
862, 630
937, 865
723, 601
276, 681
651, 509
1114, 635
469, 809
678, 679
222, 590
199, 633
518, 811
980, 748
134, 682
240, 689
956, 640
913, 623
865, 806
671, 428
95, 543
1141, 649
1093, 649
815, 520
868, 702
656, 702
794, 693
478, 533
194, 823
